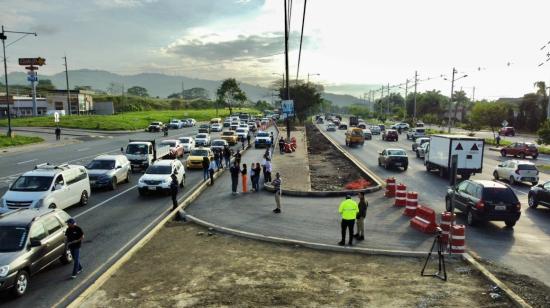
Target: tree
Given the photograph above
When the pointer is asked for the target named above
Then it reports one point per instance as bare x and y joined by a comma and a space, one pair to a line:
491, 114
138, 91
262, 105
86, 88
229, 93
307, 100
544, 133
44, 85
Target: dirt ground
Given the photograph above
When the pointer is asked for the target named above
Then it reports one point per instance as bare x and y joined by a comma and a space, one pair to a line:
330, 170
184, 266
293, 167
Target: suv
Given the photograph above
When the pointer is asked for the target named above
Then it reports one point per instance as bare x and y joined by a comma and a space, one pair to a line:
157, 177
539, 195
416, 132
48, 186
521, 149
108, 171
31, 240
155, 127
262, 140
517, 171
390, 135
507, 131
485, 200
403, 126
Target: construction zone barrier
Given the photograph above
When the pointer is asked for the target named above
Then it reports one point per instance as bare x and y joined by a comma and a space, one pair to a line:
446, 220
390, 188
400, 195
411, 203
424, 220
458, 239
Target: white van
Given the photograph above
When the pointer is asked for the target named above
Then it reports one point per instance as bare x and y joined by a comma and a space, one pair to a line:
48, 186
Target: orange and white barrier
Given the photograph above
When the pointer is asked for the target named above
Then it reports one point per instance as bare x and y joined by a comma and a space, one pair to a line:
411, 203
458, 239
400, 195
390, 188
424, 220
446, 219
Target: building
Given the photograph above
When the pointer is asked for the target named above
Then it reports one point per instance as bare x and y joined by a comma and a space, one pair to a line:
21, 106
81, 101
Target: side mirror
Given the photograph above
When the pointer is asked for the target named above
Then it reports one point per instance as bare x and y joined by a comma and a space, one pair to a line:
119, 167
35, 243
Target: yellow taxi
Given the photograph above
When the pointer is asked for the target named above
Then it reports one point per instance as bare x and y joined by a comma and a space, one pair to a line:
194, 161
230, 136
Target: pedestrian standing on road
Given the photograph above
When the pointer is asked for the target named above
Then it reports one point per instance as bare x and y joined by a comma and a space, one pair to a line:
174, 191
74, 236
363, 205
268, 170
244, 174
252, 176
272, 138
248, 139
243, 139
268, 153
235, 172
205, 167
217, 158
498, 140
227, 156
348, 210
57, 133
238, 158
278, 192
282, 145
257, 171
211, 170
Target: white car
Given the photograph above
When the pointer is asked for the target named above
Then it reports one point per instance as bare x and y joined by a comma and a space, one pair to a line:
418, 142
188, 144
108, 171
331, 127
375, 130
241, 133
176, 124
367, 133
263, 139
403, 126
244, 126
422, 150
416, 132
218, 144
517, 171
48, 186
216, 127
157, 177
202, 139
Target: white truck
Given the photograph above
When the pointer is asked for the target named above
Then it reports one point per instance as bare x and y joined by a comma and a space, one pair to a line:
469, 151
142, 153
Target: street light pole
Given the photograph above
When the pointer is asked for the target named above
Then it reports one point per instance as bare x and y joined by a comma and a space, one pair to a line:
451, 101
68, 89
406, 91
415, 84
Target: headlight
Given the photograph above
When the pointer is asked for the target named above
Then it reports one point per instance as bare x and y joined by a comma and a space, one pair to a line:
4, 270
140, 180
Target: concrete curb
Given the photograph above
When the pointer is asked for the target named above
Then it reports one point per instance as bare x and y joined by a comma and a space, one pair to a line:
297, 193
319, 246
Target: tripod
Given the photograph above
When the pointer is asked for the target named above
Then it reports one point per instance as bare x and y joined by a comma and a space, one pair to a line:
441, 257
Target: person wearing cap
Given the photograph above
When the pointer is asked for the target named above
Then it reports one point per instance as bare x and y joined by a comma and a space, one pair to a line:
74, 235
348, 210
361, 215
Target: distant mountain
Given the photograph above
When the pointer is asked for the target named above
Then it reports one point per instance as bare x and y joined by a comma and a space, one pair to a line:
158, 84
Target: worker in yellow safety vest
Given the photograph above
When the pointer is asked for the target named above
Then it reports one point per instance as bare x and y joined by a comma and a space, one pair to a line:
348, 210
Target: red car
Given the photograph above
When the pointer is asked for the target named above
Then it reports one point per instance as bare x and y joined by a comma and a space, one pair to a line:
507, 131
390, 135
176, 148
521, 149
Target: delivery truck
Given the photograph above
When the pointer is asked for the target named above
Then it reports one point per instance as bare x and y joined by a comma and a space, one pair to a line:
142, 153
469, 152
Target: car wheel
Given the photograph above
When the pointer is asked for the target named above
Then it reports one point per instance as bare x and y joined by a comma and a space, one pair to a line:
510, 223
417, 154
379, 163
503, 153
532, 201
52, 206
448, 205
127, 180
21, 284
405, 167
84, 198
495, 175
114, 182
535, 156
67, 257
522, 155
470, 220
512, 180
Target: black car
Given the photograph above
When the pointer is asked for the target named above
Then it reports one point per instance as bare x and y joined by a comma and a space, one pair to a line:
393, 158
482, 200
390, 135
539, 195
30, 240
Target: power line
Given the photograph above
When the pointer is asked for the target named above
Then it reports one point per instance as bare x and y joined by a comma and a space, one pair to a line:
301, 37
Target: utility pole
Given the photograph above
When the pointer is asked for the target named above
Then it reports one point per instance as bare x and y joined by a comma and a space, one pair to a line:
182, 90
123, 98
415, 84
68, 89
388, 105
473, 93
286, 70
406, 91
451, 101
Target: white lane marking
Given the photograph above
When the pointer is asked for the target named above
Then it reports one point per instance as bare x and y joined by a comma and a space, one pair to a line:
83, 149
26, 161
105, 201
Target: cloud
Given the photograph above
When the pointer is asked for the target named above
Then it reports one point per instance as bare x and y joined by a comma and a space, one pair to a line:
45, 29
122, 3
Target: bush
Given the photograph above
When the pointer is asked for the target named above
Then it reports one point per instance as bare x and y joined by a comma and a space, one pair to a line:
544, 133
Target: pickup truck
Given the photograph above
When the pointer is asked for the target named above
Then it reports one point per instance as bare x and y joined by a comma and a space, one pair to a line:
142, 153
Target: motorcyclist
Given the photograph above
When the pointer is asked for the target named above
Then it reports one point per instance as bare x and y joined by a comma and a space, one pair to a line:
399, 129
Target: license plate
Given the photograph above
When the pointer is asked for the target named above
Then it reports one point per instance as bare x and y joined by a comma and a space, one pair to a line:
500, 207
529, 179
398, 164
152, 188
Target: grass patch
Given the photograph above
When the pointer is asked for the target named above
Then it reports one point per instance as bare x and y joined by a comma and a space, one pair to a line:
492, 141
6, 141
126, 121
544, 168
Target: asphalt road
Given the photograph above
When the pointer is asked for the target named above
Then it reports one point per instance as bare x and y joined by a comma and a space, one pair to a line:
525, 248
113, 221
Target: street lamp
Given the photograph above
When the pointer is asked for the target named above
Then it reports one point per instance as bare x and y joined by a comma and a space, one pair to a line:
315, 74
3, 37
453, 79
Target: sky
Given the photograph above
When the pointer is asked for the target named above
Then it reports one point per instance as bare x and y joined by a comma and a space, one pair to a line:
350, 46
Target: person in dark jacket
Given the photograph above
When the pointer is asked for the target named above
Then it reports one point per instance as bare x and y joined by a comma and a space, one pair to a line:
238, 158
248, 139
257, 173
205, 166
227, 156
57, 133
363, 205
74, 235
282, 145
235, 171
174, 191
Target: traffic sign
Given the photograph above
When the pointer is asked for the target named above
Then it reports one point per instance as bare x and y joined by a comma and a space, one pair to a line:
32, 61
288, 107
504, 123
32, 78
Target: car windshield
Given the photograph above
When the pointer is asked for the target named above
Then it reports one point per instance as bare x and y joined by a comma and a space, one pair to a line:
421, 131
527, 167
262, 135
227, 134
136, 149
396, 152
204, 126
170, 143
101, 165
155, 169
32, 183
240, 130
218, 142
12, 238
199, 136
497, 195
199, 153
155, 123
356, 132
185, 140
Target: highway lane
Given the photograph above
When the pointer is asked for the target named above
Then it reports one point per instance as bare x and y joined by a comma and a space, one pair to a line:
525, 248
113, 221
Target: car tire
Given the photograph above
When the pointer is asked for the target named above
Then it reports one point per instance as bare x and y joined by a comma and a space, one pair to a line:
532, 201
127, 180
495, 175
67, 257
510, 223
405, 167
522, 155
83, 199
417, 154
535, 156
470, 220
503, 153
52, 206
114, 182
448, 205
379, 163
512, 180
21, 284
